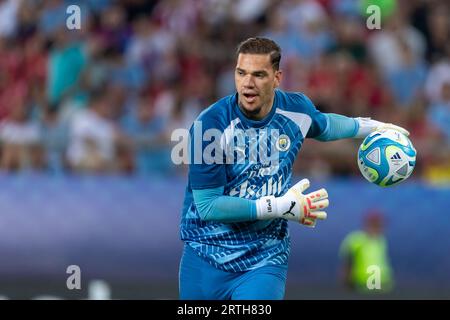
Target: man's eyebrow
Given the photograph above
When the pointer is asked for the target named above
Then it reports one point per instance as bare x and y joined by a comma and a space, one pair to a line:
263, 72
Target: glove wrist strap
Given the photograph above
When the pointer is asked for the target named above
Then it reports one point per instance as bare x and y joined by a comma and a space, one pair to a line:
266, 208
366, 126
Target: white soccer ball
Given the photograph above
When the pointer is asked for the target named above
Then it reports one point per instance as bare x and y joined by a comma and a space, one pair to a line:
386, 157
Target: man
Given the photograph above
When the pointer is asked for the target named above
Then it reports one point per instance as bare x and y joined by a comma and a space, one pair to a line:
365, 257
234, 220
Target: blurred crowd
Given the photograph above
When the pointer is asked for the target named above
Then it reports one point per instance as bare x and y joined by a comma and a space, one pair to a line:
105, 98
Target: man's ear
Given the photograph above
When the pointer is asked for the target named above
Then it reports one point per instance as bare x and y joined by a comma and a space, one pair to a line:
278, 76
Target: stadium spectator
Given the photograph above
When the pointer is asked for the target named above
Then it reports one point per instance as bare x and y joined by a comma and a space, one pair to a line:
20, 138
407, 79
389, 38
54, 139
93, 137
147, 131
8, 17
66, 62
439, 112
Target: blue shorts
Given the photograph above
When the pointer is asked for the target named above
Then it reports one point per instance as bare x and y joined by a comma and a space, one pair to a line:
198, 280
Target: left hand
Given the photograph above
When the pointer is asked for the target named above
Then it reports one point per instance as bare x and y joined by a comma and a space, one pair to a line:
390, 126
368, 125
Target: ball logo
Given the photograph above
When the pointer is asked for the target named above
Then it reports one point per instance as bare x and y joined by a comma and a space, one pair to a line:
396, 156
283, 143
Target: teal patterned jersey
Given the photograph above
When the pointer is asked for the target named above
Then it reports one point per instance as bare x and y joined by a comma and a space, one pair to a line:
258, 163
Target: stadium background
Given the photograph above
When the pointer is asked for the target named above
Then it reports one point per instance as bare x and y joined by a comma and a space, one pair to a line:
137, 70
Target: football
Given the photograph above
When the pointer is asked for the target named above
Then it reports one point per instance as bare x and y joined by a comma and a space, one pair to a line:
386, 157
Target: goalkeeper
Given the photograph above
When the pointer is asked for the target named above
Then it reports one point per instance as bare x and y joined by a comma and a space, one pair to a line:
235, 213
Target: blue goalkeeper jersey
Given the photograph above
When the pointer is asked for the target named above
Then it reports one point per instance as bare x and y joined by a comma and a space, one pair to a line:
249, 174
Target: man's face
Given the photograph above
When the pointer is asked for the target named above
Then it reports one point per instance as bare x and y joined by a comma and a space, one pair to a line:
256, 81
374, 227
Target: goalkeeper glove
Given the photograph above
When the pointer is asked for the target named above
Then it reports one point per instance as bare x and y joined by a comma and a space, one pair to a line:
294, 205
367, 126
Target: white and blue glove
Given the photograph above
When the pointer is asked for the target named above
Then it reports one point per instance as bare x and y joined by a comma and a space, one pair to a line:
294, 205
367, 126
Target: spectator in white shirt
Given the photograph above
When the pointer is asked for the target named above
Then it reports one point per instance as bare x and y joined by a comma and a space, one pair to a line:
92, 137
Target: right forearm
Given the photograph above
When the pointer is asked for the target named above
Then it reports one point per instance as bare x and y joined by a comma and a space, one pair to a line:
213, 205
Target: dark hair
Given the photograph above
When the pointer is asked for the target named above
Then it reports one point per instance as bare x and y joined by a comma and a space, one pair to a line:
261, 46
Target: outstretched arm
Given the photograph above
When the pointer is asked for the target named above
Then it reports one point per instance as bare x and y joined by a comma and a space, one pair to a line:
213, 205
342, 127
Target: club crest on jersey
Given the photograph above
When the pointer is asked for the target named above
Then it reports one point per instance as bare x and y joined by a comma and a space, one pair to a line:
283, 143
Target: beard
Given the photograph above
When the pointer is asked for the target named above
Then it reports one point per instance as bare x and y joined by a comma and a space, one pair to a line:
249, 113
